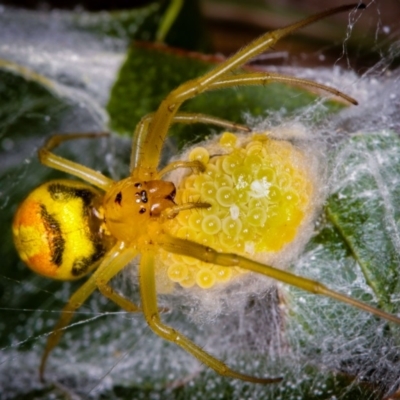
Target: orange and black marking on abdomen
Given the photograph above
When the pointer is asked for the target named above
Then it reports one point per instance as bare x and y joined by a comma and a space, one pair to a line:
57, 231
55, 240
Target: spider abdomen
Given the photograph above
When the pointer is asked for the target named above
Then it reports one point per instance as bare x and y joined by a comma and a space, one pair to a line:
57, 230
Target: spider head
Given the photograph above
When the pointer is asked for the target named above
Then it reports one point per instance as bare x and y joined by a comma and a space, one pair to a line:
131, 204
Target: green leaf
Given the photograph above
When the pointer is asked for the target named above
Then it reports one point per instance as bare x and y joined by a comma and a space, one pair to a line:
335, 336
365, 209
355, 253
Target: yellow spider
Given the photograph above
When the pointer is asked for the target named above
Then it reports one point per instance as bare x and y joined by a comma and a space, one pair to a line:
247, 197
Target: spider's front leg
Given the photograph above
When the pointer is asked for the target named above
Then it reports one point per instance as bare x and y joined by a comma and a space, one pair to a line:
48, 158
150, 311
211, 256
220, 77
142, 128
197, 165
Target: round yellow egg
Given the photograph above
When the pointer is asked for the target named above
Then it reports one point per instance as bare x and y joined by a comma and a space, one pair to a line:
259, 190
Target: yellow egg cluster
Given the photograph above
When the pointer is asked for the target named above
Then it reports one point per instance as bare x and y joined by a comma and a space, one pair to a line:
259, 190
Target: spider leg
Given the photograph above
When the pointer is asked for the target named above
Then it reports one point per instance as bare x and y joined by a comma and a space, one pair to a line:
209, 255
163, 117
51, 160
183, 118
264, 78
127, 305
115, 261
107, 291
245, 79
198, 166
150, 311
197, 118
260, 45
172, 212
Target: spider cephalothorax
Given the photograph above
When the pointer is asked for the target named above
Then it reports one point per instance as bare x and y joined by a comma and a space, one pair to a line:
130, 205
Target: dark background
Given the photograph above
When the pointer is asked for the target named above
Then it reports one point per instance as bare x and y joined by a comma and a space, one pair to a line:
231, 24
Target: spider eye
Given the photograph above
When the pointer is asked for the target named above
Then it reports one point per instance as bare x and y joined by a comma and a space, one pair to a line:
118, 198
143, 196
138, 185
142, 211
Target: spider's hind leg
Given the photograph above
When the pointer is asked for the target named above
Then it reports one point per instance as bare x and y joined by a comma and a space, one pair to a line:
113, 263
51, 160
207, 254
150, 311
